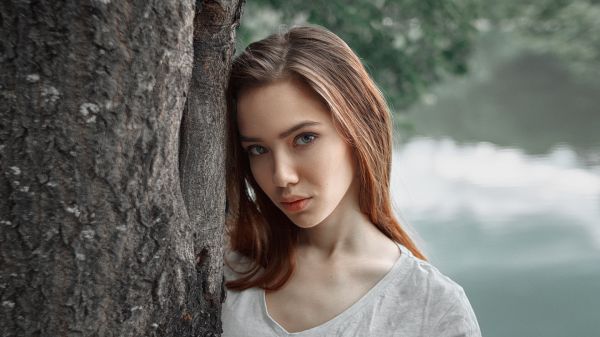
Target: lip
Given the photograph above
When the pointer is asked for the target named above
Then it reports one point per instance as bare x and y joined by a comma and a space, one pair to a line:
295, 204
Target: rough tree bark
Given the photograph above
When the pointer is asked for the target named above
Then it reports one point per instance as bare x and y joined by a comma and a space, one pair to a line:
108, 227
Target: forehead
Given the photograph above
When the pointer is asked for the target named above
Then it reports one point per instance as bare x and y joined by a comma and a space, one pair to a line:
278, 105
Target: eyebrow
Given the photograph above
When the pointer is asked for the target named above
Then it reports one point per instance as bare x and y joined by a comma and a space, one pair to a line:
284, 133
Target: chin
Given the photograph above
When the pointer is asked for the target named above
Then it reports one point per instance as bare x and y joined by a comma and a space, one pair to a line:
305, 225
302, 222
305, 221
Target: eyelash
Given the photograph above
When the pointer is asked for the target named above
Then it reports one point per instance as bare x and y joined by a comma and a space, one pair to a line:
309, 134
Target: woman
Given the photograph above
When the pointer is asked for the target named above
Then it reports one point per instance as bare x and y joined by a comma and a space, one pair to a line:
314, 247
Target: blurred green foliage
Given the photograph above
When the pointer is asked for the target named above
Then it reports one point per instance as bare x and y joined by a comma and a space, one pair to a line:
568, 29
409, 45
406, 45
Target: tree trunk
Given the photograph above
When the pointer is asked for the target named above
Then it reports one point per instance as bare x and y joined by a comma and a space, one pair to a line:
110, 219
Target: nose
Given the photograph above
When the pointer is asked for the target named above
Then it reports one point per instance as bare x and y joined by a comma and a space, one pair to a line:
284, 171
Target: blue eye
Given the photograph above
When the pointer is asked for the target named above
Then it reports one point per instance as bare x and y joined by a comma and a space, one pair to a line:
305, 138
256, 150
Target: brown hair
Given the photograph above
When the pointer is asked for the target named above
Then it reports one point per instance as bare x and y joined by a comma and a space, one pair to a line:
257, 229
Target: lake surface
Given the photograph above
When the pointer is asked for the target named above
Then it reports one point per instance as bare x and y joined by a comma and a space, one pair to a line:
500, 178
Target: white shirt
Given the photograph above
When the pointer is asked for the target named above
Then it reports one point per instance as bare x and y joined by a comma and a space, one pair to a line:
412, 299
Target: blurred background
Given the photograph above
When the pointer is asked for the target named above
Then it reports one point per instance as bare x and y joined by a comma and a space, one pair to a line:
497, 154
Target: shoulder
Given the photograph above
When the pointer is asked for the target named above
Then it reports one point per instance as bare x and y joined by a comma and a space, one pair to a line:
444, 302
425, 278
241, 310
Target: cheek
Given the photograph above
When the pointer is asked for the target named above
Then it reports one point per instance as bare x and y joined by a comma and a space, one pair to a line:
344, 170
333, 168
260, 173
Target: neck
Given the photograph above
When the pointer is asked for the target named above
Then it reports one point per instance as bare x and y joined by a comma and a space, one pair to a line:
346, 232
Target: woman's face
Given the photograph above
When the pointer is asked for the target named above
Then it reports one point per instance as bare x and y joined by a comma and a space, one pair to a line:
296, 155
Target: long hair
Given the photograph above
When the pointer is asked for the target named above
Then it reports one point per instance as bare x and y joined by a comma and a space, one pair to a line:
257, 229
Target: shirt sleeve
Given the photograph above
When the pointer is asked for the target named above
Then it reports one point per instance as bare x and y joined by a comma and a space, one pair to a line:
458, 321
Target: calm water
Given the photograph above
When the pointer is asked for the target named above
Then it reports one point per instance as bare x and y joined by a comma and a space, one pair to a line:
501, 179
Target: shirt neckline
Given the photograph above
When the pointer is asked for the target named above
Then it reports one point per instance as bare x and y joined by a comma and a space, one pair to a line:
348, 312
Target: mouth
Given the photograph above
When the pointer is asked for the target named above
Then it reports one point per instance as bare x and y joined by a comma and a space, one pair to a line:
296, 205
